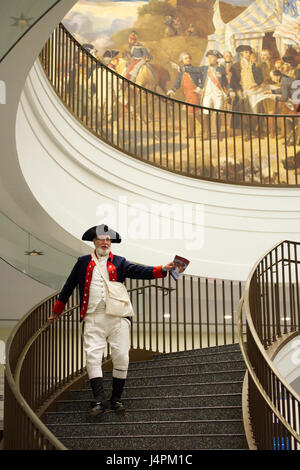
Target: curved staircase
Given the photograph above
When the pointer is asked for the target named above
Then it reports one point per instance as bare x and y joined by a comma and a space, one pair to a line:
185, 400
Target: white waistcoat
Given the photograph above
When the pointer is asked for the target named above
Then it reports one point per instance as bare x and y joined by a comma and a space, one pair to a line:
97, 294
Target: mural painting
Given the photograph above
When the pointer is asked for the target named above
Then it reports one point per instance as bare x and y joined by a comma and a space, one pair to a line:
239, 56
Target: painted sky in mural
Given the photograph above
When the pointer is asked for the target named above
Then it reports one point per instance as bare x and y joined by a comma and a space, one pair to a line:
95, 21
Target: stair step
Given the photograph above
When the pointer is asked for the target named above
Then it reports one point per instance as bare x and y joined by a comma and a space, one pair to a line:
175, 379
147, 428
193, 367
137, 403
161, 414
186, 400
211, 350
168, 390
157, 442
189, 359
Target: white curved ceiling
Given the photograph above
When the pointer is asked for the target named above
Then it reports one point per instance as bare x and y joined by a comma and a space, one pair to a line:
54, 174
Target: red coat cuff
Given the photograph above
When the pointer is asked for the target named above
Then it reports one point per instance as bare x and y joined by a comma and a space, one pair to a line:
157, 272
58, 307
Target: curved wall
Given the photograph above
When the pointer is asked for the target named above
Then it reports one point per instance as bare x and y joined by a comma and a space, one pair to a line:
287, 361
30, 292
16, 200
76, 177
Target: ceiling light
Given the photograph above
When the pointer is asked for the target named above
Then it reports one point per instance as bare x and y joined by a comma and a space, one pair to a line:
228, 317
286, 318
33, 253
167, 315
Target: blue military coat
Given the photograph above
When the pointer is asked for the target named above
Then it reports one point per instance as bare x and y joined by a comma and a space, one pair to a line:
118, 268
194, 72
220, 76
138, 51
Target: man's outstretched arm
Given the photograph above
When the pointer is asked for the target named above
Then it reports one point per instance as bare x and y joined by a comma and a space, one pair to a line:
137, 271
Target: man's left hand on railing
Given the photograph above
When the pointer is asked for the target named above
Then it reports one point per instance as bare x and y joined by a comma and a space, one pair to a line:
53, 318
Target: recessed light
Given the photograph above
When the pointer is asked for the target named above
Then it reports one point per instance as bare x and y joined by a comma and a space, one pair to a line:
228, 317
167, 315
33, 253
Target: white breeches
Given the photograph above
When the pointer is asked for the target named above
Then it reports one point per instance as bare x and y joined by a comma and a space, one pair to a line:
213, 101
99, 329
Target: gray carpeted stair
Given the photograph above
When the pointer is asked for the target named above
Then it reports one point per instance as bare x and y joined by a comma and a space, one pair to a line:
178, 401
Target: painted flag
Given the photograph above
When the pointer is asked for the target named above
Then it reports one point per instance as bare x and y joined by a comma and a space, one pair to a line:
289, 29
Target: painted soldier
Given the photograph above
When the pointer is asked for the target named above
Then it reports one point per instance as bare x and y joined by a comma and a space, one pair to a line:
267, 66
215, 86
286, 96
139, 56
234, 88
111, 58
189, 80
250, 75
289, 67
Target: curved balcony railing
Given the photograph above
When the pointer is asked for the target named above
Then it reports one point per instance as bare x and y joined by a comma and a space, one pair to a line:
271, 304
44, 359
215, 145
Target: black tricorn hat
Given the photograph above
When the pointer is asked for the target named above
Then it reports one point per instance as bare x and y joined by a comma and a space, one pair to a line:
244, 47
98, 230
111, 53
215, 53
290, 60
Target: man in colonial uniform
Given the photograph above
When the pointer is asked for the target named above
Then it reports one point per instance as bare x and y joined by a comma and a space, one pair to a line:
251, 79
100, 327
189, 80
235, 89
289, 67
139, 56
251, 76
215, 86
103, 90
286, 96
111, 58
266, 65
268, 104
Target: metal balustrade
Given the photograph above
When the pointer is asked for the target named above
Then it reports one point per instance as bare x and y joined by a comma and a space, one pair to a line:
215, 145
271, 306
44, 359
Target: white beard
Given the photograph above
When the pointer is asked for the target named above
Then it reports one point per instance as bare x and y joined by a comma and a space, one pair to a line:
101, 252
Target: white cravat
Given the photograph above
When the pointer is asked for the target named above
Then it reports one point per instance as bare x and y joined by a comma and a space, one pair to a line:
97, 294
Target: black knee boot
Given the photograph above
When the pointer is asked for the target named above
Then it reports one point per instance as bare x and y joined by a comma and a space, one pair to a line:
99, 396
117, 389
